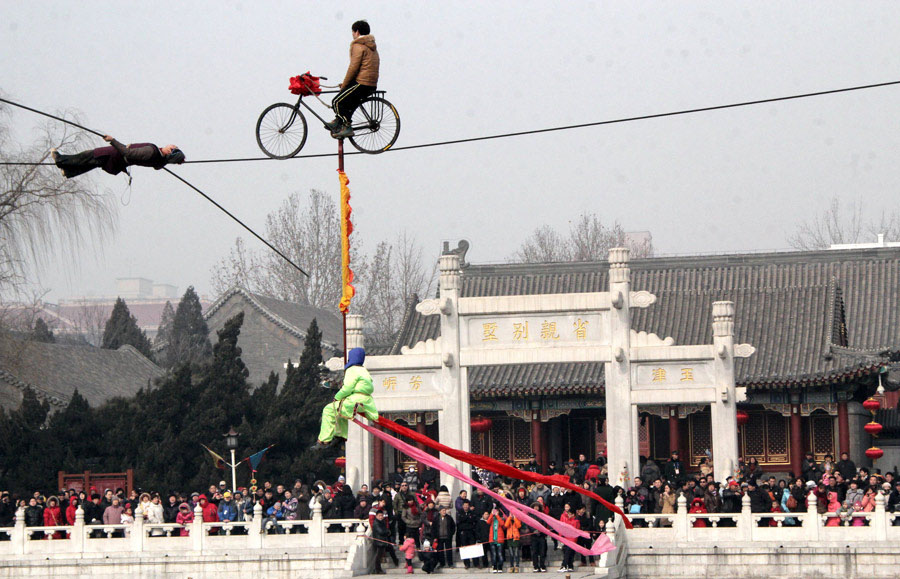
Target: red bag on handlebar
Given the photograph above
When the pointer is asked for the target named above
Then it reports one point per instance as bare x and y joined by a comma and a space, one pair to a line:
305, 84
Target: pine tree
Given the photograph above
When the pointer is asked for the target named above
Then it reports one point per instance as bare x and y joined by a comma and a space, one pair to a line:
189, 341
122, 328
293, 424
164, 334
41, 333
224, 394
77, 425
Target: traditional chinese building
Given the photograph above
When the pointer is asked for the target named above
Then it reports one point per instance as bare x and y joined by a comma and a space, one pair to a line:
823, 325
274, 330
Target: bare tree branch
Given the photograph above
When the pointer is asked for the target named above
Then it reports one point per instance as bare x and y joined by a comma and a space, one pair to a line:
588, 239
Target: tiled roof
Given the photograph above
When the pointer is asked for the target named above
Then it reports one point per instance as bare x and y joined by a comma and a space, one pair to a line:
810, 315
54, 371
293, 318
536, 380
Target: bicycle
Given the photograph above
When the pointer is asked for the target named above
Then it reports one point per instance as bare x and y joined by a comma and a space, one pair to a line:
281, 129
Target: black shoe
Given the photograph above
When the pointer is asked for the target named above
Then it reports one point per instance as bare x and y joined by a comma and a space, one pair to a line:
334, 125
319, 445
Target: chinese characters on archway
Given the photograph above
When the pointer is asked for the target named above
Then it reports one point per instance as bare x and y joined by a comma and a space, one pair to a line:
401, 383
534, 331
685, 374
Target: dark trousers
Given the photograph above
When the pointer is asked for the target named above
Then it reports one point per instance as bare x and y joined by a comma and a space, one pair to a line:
379, 553
568, 557
463, 539
346, 101
76, 164
444, 547
538, 552
586, 543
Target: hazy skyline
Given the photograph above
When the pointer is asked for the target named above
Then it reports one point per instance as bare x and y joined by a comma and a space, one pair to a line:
198, 74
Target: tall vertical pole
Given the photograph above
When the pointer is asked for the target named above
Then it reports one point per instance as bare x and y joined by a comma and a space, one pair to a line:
343, 314
233, 473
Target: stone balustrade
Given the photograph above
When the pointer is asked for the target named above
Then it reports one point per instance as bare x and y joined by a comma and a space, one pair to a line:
143, 539
809, 527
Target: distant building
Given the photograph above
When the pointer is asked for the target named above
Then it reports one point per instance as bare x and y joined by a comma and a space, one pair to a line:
87, 315
274, 330
55, 371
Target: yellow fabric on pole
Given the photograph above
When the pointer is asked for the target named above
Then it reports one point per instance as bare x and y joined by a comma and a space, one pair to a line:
218, 460
348, 290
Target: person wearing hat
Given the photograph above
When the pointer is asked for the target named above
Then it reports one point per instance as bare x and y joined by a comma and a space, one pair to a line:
412, 479
227, 510
117, 158
184, 518
354, 396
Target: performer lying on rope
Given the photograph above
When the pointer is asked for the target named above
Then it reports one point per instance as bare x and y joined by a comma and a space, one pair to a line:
117, 158
355, 396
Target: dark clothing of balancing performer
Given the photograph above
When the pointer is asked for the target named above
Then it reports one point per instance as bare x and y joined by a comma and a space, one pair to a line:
117, 158
360, 82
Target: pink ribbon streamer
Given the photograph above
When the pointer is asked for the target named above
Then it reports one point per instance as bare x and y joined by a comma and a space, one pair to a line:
565, 531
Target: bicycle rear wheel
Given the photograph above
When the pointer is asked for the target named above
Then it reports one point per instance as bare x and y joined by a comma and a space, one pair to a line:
281, 131
376, 126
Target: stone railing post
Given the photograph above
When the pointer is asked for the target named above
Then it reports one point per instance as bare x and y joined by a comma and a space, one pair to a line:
880, 520
317, 527
77, 535
137, 533
255, 529
681, 519
18, 533
197, 529
745, 520
812, 521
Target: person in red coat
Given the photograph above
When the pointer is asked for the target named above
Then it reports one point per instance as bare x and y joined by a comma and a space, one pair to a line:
210, 513
697, 506
53, 517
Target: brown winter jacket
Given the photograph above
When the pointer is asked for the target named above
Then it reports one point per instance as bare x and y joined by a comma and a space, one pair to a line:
363, 62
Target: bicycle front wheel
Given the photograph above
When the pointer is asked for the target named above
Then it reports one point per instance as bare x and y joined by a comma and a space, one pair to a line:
376, 126
281, 131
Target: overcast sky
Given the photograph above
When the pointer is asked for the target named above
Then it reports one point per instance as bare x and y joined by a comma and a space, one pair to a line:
198, 74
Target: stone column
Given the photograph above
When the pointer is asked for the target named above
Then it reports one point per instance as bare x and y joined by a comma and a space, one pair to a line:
674, 432
453, 420
843, 429
621, 437
796, 440
724, 409
255, 530
359, 442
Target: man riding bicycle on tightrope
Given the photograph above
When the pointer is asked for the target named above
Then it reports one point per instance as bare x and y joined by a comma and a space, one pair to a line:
360, 81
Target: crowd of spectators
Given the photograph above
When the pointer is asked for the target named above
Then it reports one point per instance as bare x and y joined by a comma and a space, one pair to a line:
411, 512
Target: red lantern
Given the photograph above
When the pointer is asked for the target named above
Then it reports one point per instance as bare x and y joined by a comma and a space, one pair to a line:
872, 405
742, 418
873, 428
340, 462
874, 453
481, 424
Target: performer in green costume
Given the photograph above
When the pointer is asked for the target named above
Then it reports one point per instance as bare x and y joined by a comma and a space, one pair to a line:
355, 396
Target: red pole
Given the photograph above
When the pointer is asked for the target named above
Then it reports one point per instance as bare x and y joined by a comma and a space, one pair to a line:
796, 440
843, 428
536, 436
343, 314
674, 433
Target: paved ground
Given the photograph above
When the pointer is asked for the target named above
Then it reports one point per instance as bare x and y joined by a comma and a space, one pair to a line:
459, 570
